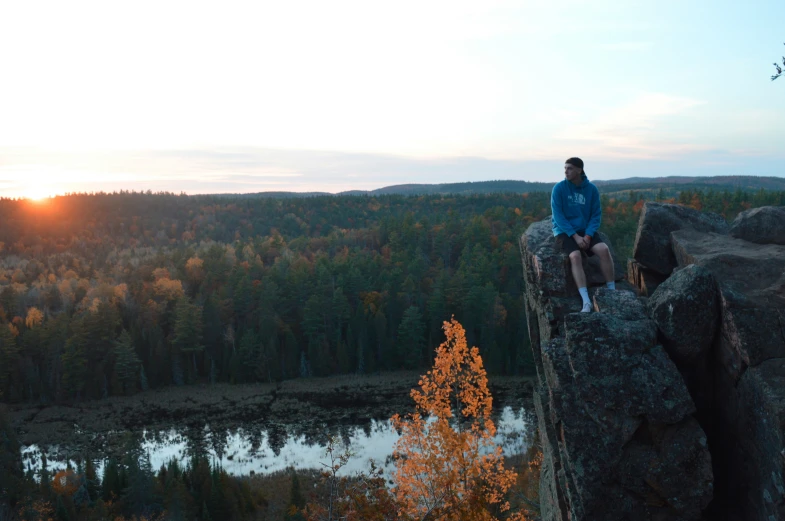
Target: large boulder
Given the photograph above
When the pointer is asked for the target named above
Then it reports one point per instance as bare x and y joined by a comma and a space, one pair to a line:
686, 310
764, 225
747, 379
617, 433
615, 418
751, 282
652, 246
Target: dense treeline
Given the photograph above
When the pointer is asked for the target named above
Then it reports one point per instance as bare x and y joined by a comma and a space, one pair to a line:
107, 294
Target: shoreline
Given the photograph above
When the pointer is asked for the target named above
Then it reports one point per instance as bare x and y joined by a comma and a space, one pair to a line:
306, 403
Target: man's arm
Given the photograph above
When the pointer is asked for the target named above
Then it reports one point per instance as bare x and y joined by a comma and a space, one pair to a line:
596, 214
558, 213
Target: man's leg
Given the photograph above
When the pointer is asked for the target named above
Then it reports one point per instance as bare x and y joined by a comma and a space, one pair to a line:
606, 263
580, 279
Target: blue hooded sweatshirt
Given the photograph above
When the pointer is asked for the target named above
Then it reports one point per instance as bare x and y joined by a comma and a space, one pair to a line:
575, 208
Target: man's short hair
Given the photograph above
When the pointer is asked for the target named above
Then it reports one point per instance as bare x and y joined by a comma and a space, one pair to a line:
576, 161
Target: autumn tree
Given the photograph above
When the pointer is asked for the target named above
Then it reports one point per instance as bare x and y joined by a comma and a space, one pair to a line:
34, 318
447, 464
194, 268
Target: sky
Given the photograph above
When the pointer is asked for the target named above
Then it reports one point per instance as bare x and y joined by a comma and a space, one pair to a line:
237, 97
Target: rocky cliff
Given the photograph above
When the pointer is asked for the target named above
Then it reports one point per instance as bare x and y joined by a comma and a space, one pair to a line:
668, 401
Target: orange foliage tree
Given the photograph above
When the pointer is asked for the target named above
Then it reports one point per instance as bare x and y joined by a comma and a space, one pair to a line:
447, 464
66, 483
34, 317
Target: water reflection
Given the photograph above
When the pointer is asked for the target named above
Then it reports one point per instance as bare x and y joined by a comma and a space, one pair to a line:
268, 448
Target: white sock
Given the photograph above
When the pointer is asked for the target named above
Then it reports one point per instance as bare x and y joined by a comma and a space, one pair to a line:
584, 295
611, 284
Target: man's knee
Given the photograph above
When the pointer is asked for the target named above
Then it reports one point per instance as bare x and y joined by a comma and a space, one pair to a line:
602, 250
575, 257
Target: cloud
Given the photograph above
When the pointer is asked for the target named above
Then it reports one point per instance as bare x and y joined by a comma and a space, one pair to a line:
640, 128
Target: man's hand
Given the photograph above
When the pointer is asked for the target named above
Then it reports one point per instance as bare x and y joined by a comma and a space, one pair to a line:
581, 241
586, 242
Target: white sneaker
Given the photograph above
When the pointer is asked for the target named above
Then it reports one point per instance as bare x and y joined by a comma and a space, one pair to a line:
586, 307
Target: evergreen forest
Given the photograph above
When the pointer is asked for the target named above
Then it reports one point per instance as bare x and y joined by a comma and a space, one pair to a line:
109, 294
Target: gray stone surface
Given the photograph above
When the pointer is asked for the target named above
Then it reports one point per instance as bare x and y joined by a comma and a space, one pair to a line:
746, 371
761, 395
621, 304
764, 225
618, 422
751, 281
652, 246
615, 417
686, 310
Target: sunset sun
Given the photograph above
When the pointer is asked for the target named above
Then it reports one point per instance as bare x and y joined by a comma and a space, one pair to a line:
38, 193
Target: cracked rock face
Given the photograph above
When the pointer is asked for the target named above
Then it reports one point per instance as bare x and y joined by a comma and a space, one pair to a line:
747, 367
615, 416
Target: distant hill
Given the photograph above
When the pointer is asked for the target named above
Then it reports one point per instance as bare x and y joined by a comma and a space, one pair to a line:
745, 182
478, 187
272, 195
669, 185
677, 183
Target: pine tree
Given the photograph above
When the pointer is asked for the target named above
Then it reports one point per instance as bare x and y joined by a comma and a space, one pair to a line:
46, 478
217, 506
143, 379
92, 482
305, 369
9, 354
411, 341
110, 484
61, 511
248, 355
126, 361
296, 500
187, 338
139, 493
74, 360
11, 473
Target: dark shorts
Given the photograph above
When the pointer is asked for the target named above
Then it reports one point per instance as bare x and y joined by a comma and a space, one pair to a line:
568, 245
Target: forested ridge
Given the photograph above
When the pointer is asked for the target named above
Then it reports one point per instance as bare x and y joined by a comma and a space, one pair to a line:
106, 294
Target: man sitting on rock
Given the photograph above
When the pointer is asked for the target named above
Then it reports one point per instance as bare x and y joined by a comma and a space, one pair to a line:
575, 206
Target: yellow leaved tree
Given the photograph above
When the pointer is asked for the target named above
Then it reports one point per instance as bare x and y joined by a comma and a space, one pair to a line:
447, 463
34, 318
